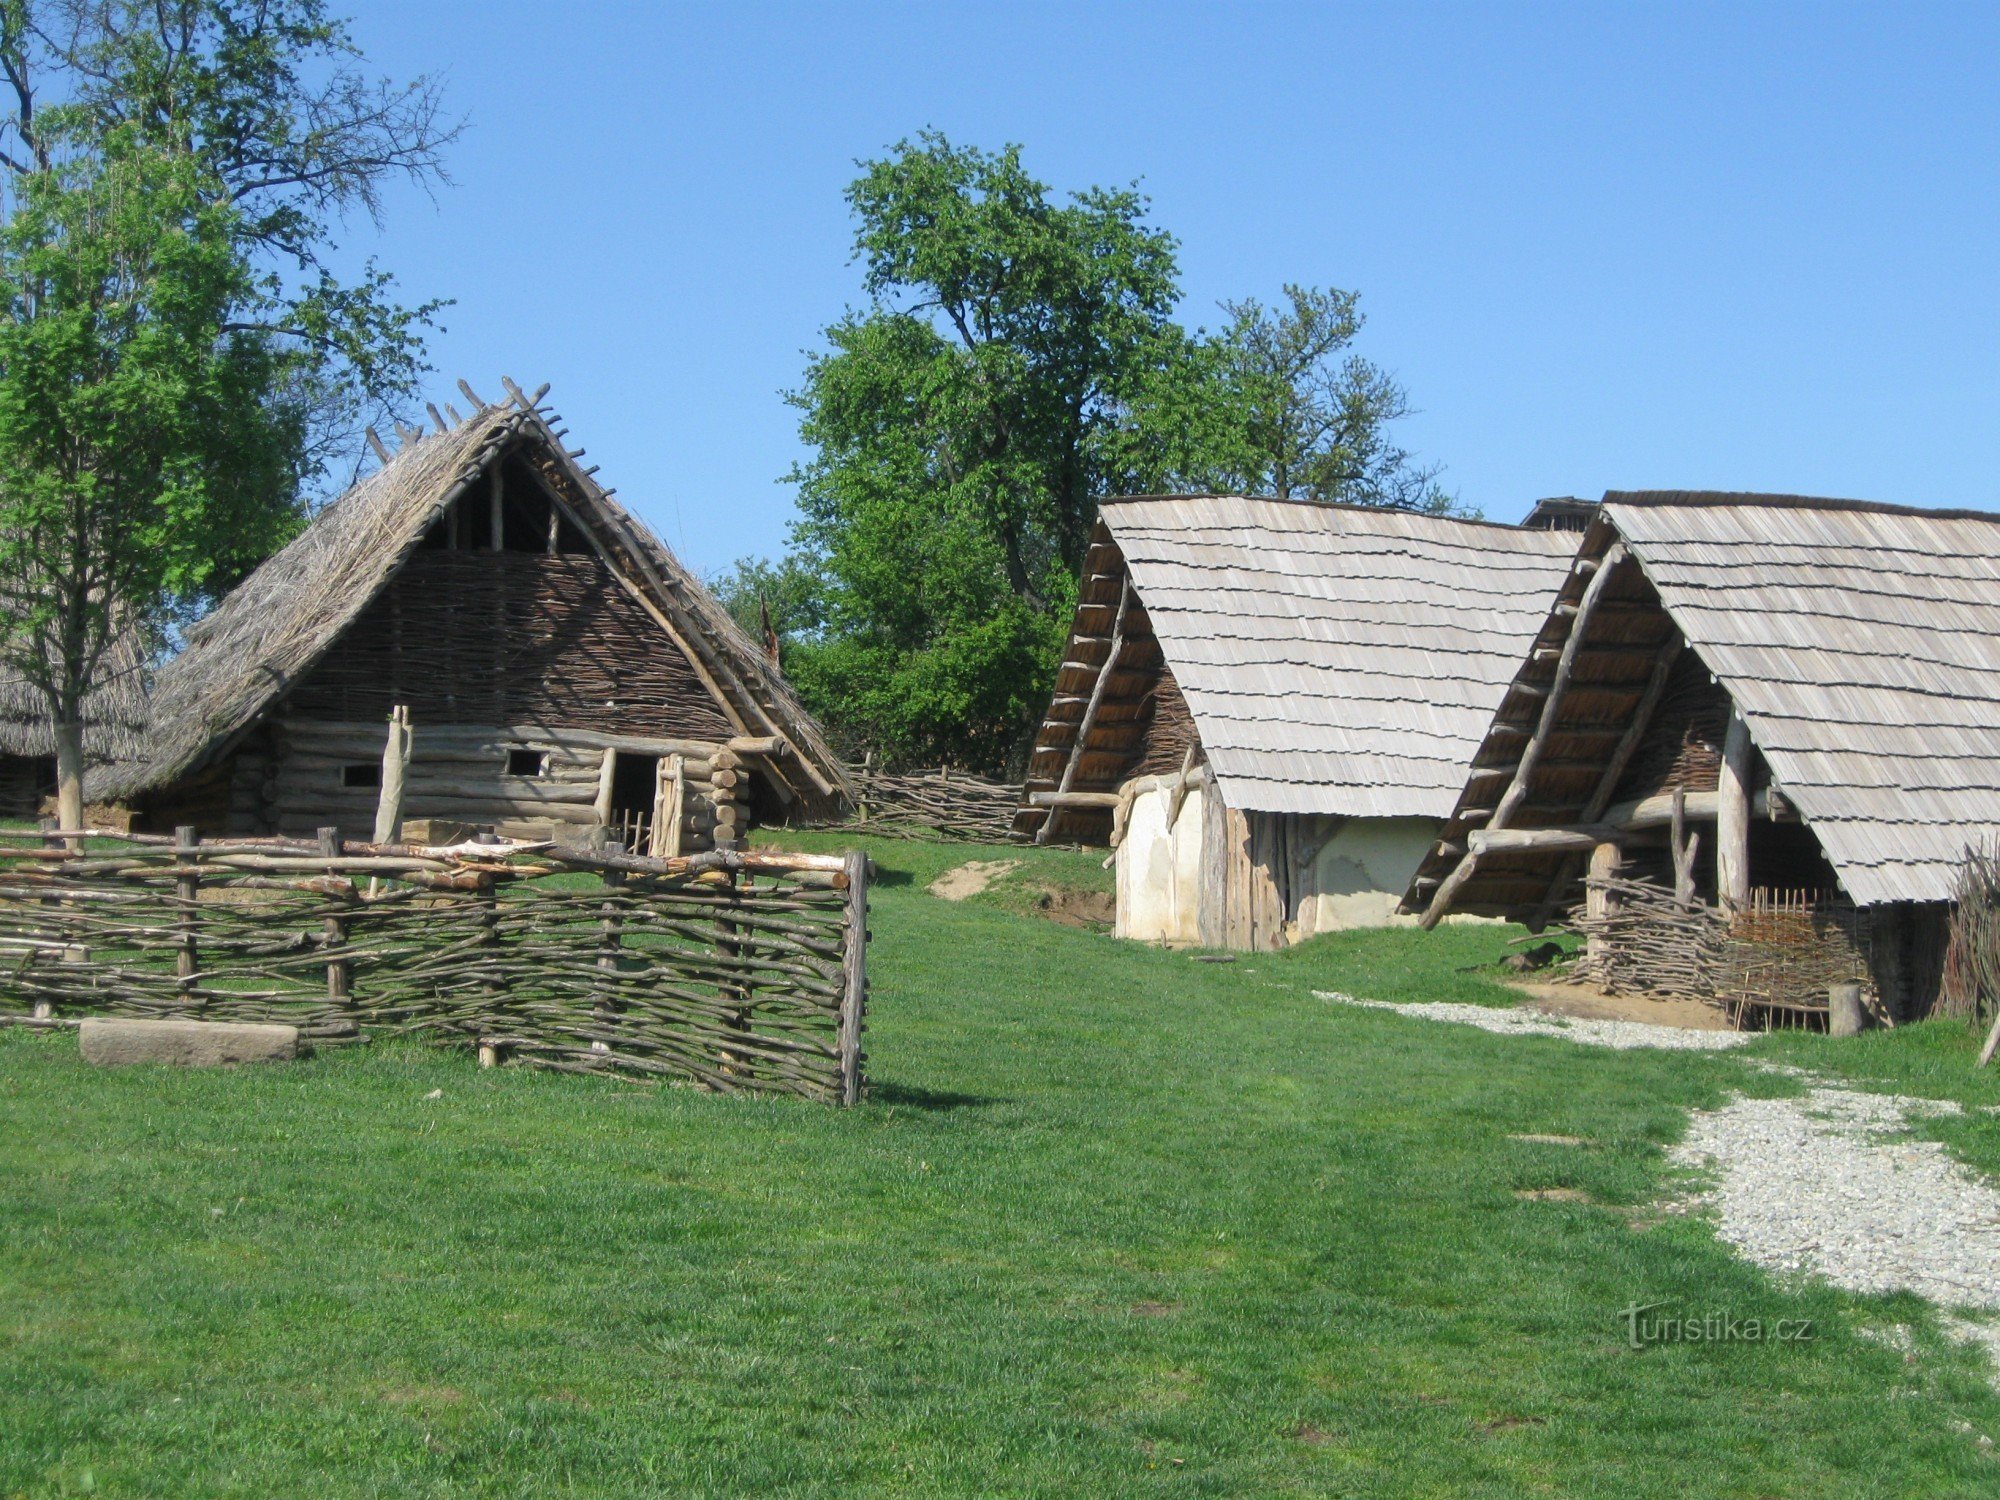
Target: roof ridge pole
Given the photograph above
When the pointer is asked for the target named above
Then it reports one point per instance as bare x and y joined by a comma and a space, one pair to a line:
1090, 709
1517, 789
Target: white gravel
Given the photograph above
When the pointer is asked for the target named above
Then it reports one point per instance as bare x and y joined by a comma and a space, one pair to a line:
1622, 1035
1830, 1184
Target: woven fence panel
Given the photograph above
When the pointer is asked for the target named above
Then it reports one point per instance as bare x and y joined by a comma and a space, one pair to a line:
741, 972
955, 806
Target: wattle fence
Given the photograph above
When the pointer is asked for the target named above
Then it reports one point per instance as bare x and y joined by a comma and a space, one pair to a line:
940, 803
738, 971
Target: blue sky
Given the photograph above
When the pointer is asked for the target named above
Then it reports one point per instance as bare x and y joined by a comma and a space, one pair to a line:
1604, 246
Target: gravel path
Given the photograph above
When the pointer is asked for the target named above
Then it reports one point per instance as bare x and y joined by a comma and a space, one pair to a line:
1830, 1184
1622, 1035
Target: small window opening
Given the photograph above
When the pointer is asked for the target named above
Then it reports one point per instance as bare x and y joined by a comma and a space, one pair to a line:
368, 775
527, 762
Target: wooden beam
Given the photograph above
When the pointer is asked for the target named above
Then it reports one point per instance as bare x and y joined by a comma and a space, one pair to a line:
1073, 799
499, 536
1531, 753
1090, 709
1732, 814
1614, 770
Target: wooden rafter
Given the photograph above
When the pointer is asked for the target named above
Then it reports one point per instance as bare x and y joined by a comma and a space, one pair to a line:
1117, 644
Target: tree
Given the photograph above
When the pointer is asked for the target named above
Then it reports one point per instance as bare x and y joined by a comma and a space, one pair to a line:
960, 425
1312, 415
176, 356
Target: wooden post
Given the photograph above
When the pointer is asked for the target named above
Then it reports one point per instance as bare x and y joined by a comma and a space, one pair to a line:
1598, 902
499, 537
187, 892
1732, 815
607, 771
1845, 1014
854, 970
1043, 834
395, 770
337, 970
1531, 754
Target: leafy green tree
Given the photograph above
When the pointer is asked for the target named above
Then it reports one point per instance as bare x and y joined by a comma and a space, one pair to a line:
960, 423
1311, 416
176, 356
1017, 362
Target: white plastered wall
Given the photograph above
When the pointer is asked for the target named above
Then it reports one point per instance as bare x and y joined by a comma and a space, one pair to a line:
1159, 869
1360, 874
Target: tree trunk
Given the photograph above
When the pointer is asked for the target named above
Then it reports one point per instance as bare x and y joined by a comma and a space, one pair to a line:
69, 773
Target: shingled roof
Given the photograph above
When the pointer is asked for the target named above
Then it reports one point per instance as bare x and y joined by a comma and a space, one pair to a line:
1334, 659
1861, 644
267, 635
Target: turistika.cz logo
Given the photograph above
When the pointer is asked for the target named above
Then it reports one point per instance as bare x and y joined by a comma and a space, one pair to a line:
1709, 1328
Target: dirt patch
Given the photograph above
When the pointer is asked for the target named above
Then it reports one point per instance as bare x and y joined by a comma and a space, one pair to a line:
971, 878
1311, 1436
1093, 910
1552, 1195
423, 1395
1588, 1003
1508, 1424
1537, 1139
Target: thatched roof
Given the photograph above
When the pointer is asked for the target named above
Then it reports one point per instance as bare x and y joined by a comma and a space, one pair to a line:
270, 631
114, 714
1334, 659
1860, 643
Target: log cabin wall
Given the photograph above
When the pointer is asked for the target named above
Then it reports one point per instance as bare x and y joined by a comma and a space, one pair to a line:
523, 668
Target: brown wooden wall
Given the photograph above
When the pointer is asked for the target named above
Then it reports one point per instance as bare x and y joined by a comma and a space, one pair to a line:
511, 638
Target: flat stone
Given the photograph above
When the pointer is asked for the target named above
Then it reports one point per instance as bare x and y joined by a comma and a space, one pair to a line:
110, 1042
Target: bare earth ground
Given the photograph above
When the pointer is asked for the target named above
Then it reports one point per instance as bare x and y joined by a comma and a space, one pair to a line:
1590, 1003
970, 878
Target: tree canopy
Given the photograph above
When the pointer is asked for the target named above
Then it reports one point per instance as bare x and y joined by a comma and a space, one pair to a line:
1017, 360
177, 356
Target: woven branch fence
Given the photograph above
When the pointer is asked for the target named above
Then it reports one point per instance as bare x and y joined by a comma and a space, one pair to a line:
1770, 964
936, 804
743, 972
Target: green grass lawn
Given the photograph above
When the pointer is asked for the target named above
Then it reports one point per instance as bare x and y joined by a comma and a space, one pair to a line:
1114, 1221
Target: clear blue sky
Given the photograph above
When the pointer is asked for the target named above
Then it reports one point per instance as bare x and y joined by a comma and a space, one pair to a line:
1604, 246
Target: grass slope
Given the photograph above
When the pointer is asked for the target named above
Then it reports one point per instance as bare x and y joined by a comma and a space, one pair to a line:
1113, 1222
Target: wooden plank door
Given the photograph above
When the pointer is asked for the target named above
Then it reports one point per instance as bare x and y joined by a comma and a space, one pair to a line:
669, 807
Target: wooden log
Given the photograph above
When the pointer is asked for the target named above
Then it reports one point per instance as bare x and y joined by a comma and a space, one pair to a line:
1732, 816
395, 768
337, 972
187, 890
1599, 903
1083, 728
854, 979
1517, 790
1073, 799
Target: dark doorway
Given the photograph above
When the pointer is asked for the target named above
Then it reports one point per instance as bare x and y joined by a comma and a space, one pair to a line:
634, 783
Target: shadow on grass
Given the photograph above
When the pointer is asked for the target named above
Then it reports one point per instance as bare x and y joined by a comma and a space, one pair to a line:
910, 1096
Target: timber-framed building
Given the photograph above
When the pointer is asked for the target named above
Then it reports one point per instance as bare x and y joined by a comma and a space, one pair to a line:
1268, 706
562, 671
1749, 745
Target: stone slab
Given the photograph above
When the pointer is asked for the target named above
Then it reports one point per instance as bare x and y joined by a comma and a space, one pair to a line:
110, 1041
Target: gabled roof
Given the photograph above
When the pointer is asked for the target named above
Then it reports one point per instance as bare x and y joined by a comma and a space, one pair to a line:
1335, 659
1860, 642
1862, 645
268, 633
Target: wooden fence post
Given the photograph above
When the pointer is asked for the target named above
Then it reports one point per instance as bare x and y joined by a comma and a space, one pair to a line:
187, 890
337, 970
854, 971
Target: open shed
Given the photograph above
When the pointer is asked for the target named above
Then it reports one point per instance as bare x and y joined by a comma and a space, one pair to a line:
562, 670
1748, 746
1268, 706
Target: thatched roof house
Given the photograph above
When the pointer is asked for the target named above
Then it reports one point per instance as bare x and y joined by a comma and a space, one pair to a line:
1271, 704
537, 632
114, 719
1817, 680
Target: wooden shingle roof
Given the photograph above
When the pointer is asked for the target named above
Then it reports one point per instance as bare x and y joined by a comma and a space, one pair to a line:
1334, 659
1862, 645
